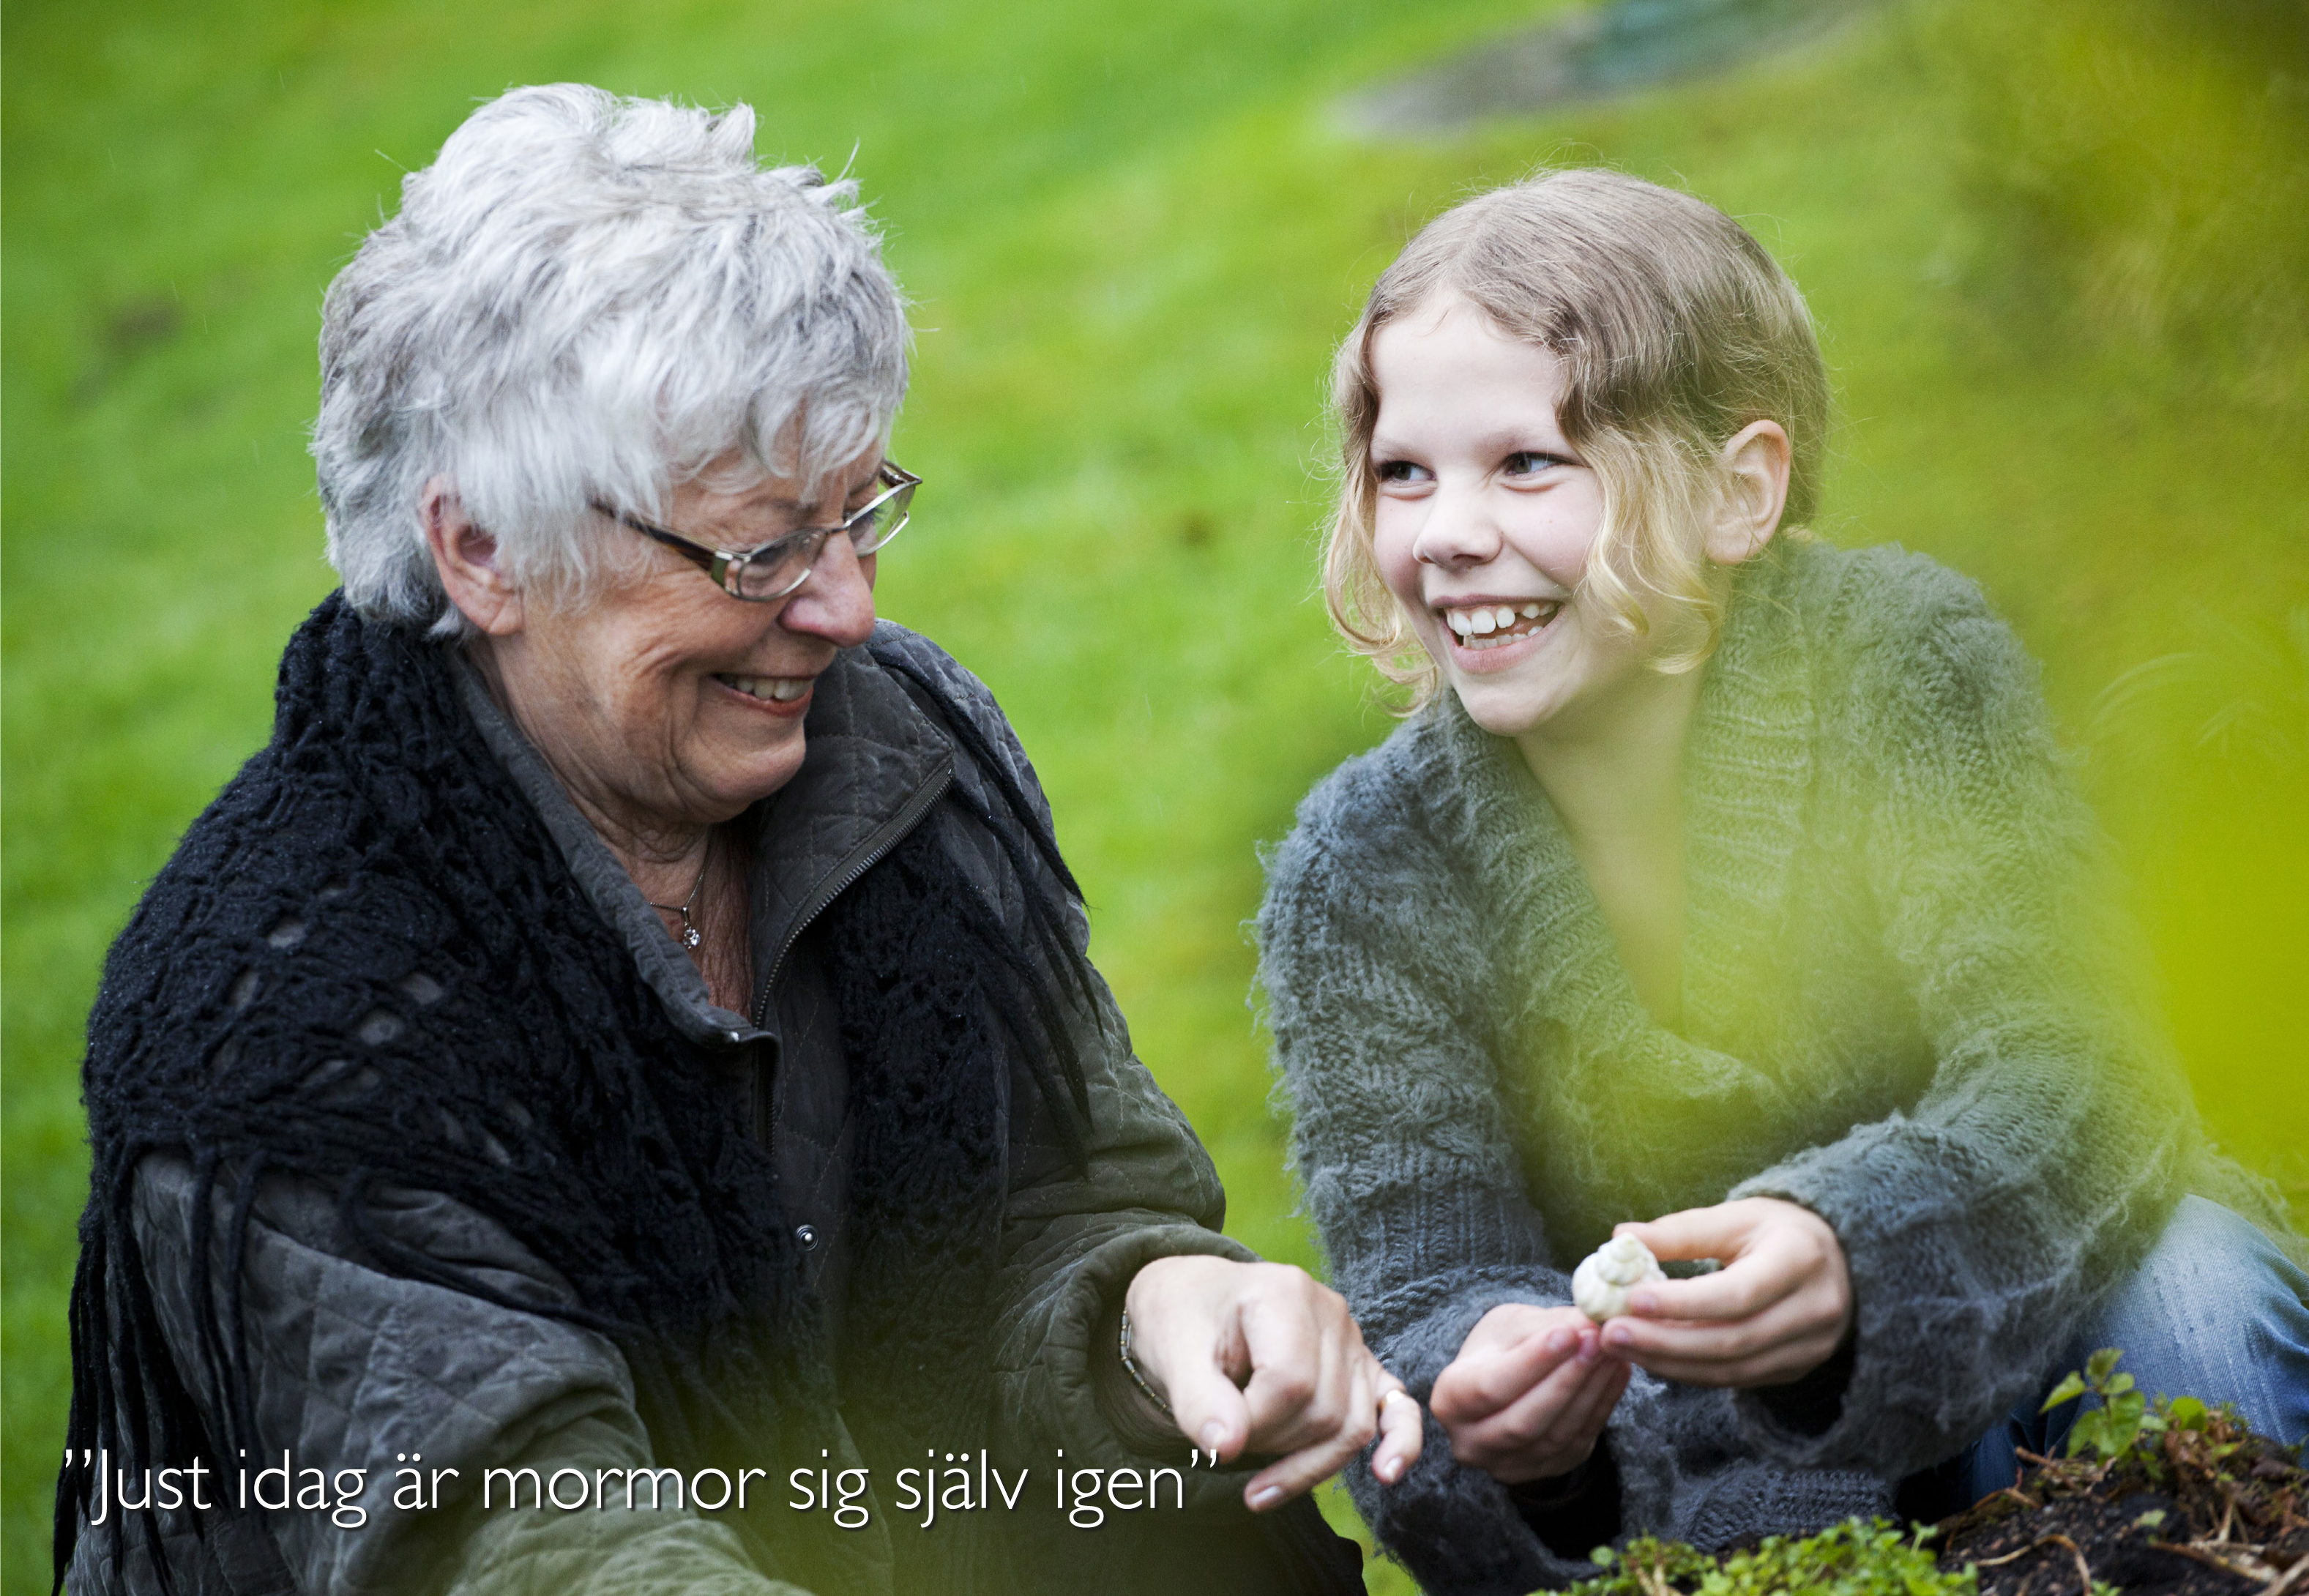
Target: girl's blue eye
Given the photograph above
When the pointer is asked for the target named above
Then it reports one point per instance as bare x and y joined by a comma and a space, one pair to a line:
1525, 461
1400, 470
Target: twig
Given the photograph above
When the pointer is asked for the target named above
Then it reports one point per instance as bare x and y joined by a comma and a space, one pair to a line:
2037, 1545
2214, 1560
2300, 1564
2084, 1573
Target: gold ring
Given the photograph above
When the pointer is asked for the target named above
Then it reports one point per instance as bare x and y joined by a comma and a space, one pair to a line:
1397, 1392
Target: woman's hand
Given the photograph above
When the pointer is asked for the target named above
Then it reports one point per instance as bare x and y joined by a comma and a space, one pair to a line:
1529, 1394
1262, 1356
1775, 1310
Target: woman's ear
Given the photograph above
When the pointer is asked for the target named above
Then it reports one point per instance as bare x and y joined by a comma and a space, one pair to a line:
1755, 482
466, 558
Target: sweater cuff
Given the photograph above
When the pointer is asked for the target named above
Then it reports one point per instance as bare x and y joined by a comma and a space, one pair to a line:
1574, 1513
1811, 1404
1923, 1366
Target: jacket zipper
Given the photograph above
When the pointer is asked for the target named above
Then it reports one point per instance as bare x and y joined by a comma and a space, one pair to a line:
894, 832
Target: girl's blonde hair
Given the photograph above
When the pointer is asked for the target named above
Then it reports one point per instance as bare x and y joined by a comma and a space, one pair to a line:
1676, 330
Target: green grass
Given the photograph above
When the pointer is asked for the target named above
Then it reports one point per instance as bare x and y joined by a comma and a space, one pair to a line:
1132, 238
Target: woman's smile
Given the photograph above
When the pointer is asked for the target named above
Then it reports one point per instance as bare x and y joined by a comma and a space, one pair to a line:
778, 695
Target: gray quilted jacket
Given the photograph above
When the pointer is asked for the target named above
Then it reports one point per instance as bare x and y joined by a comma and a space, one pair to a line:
353, 1365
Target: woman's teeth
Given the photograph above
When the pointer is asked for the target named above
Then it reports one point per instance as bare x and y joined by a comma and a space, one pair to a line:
1489, 626
777, 690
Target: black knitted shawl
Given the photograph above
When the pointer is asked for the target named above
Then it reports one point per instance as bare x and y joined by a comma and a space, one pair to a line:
367, 964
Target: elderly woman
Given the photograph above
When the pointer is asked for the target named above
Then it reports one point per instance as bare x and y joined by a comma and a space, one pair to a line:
613, 1095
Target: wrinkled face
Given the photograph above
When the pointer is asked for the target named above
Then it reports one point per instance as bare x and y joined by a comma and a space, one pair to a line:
667, 700
1485, 519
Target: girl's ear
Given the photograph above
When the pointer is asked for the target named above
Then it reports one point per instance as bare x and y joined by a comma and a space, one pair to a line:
1754, 467
466, 558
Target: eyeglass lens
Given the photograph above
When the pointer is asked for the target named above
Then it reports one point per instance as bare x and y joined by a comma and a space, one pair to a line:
779, 569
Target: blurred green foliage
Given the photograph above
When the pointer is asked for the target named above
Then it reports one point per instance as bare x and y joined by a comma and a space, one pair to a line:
1848, 1560
2057, 251
2141, 163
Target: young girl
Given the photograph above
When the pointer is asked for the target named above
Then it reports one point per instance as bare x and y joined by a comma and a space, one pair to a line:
1723, 881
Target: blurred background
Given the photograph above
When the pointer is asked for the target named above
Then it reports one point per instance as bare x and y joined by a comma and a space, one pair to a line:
2059, 252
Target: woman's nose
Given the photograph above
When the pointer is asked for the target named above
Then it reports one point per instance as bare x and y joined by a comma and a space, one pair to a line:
836, 600
1457, 533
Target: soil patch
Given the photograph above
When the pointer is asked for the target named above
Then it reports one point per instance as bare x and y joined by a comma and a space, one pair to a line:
2208, 1512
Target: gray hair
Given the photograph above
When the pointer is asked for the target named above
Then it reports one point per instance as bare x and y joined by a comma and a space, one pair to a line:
588, 299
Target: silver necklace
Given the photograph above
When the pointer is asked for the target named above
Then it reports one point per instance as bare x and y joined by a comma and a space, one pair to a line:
689, 935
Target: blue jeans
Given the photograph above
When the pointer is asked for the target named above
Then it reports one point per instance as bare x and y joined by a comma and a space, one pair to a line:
2214, 1312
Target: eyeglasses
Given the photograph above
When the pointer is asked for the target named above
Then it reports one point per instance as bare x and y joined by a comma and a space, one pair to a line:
775, 569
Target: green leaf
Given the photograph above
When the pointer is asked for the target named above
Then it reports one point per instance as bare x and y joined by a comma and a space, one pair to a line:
2093, 1430
2187, 1413
2067, 1391
2150, 1519
2101, 1365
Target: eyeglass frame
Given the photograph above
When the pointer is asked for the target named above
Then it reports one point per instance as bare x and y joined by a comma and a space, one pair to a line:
724, 565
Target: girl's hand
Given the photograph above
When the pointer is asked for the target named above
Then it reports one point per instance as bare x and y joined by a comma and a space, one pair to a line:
1529, 1394
1264, 1357
1775, 1310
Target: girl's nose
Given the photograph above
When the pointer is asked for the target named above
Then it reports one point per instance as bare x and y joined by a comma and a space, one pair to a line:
1457, 533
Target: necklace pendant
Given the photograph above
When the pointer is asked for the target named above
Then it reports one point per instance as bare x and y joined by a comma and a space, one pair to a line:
690, 936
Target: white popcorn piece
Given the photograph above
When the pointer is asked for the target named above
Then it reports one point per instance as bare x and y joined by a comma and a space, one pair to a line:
1601, 1284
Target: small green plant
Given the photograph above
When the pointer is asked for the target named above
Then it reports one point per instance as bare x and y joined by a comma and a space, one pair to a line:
2127, 1426
1848, 1560
2114, 1428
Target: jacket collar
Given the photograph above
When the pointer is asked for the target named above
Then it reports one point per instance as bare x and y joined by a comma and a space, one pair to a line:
875, 765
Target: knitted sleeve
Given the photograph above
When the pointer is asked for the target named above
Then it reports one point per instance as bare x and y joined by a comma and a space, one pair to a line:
1981, 1225
1362, 960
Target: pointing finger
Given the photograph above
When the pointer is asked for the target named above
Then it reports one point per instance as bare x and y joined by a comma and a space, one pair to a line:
1209, 1410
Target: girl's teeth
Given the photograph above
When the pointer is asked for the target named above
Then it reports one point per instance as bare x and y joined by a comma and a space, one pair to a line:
1489, 626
